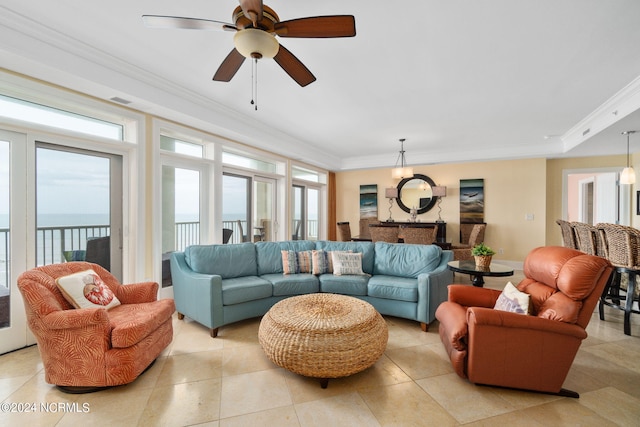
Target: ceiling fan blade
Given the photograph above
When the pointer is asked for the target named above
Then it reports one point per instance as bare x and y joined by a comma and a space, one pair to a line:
229, 66
253, 10
159, 21
294, 67
318, 27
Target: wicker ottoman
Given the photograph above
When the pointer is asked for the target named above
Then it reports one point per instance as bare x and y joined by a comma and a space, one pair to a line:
323, 335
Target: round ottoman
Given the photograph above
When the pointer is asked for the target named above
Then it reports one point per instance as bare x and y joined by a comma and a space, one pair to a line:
323, 335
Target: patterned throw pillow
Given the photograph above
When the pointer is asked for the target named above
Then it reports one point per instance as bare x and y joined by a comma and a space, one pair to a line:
321, 262
289, 262
347, 263
512, 300
86, 289
304, 261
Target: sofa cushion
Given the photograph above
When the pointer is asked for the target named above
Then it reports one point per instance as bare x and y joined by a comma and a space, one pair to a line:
393, 259
293, 284
269, 254
393, 287
227, 261
130, 323
345, 285
243, 289
366, 248
296, 262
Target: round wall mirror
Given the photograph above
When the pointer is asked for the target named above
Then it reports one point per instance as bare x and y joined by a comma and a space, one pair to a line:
415, 192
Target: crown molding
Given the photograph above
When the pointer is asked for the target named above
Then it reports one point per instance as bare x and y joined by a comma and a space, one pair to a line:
619, 106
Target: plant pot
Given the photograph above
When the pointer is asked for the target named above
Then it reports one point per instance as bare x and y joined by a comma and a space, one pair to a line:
483, 261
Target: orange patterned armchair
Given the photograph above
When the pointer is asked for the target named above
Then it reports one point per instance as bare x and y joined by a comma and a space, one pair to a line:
86, 349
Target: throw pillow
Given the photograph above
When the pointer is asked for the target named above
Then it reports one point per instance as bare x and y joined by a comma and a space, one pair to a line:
304, 261
347, 263
86, 289
289, 262
322, 261
512, 300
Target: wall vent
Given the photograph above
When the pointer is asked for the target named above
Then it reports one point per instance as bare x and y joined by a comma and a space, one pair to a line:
120, 100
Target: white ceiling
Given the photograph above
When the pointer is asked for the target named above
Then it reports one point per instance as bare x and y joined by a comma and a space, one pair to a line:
461, 80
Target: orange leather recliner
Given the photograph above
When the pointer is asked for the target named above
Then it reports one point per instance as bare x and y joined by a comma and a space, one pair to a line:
535, 351
86, 349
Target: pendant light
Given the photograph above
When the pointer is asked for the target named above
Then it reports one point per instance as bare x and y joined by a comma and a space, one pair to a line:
402, 171
628, 175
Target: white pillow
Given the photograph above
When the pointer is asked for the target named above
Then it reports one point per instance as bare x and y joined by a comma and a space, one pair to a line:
86, 289
513, 300
346, 263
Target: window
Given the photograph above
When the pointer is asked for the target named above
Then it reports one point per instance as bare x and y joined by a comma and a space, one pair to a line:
18, 109
247, 162
178, 146
298, 172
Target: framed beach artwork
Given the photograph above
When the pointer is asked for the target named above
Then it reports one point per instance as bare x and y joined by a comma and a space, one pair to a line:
369, 201
472, 201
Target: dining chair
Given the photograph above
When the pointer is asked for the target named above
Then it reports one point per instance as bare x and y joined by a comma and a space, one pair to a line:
344, 231
419, 235
364, 223
382, 233
475, 237
585, 237
623, 251
568, 235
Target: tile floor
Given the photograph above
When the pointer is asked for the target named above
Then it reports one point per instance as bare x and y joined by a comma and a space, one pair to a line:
228, 381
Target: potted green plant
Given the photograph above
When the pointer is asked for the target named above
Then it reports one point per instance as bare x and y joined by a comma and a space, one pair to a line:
482, 254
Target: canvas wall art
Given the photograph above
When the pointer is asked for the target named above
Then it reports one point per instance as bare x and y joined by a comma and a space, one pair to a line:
472, 201
369, 201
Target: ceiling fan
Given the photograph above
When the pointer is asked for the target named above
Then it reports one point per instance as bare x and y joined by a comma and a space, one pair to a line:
255, 26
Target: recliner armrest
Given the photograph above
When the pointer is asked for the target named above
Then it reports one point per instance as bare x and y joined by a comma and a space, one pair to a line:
470, 296
479, 316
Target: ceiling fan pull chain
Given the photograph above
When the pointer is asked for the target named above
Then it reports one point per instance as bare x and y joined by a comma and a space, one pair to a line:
254, 83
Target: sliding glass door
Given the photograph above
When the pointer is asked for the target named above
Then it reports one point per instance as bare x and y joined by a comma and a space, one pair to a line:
13, 222
78, 207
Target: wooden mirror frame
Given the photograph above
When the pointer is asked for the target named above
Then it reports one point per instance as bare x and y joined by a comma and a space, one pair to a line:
432, 201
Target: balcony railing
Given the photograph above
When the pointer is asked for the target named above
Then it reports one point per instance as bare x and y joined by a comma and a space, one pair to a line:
54, 242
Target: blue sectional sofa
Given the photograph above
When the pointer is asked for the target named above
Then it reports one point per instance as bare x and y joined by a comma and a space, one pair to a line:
220, 284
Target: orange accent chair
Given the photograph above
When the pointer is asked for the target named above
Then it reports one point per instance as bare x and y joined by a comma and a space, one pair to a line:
531, 352
89, 349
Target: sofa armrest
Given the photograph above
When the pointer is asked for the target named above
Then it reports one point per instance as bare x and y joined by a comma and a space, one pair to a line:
471, 296
136, 293
196, 295
432, 289
80, 318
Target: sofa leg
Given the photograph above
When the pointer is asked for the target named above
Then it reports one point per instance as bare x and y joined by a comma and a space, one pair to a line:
214, 332
424, 327
180, 316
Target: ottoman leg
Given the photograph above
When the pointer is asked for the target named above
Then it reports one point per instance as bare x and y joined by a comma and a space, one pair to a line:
324, 382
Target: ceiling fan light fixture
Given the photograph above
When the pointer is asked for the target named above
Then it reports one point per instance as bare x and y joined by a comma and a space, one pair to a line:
254, 43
